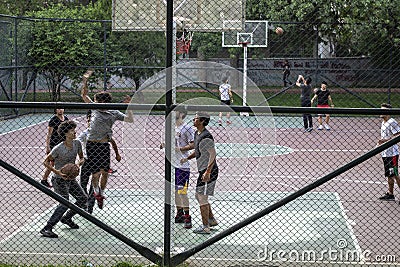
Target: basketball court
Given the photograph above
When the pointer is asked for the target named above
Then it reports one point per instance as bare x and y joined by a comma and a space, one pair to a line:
304, 230
261, 160
307, 217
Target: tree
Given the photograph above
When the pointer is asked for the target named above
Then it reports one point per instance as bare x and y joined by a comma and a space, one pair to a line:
60, 46
342, 22
141, 51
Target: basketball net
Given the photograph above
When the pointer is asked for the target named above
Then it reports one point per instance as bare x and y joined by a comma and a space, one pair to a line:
183, 43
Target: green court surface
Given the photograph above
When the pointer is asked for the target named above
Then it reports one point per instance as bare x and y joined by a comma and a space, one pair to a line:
244, 150
22, 122
308, 228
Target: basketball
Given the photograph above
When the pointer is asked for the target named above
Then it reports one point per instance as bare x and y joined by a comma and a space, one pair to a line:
71, 170
279, 31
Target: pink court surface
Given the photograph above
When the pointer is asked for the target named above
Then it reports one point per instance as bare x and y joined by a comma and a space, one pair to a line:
345, 209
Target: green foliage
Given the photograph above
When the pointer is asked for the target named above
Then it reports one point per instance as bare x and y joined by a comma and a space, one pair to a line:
56, 45
22, 7
356, 28
207, 45
145, 49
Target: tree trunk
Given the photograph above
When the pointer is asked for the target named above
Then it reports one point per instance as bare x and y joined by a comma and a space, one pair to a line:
138, 95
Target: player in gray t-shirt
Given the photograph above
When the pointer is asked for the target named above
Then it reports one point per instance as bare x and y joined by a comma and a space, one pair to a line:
100, 133
65, 152
205, 154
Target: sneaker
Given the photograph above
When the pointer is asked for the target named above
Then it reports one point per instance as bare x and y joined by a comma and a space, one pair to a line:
202, 229
100, 200
48, 232
70, 223
387, 197
188, 222
212, 222
179, 218
46, 183
228, 122
111, 171
320, 127
309, 129
327, 127
220, 122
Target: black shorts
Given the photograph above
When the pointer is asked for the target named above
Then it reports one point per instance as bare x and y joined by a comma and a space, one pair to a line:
207, 188
390, 164
98, 156
225, 102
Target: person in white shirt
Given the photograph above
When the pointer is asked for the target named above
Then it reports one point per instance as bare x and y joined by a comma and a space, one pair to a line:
184, 141
390, 156
225, 93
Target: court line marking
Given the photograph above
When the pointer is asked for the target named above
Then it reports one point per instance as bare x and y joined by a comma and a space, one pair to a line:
331, 150
40, 216
26, 127
25, 226
158, 149
352, 234
32, 125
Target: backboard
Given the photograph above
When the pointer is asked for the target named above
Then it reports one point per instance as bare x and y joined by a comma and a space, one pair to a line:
193, 15
254, 33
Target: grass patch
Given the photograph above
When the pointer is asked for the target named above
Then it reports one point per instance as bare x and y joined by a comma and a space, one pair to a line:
290, 98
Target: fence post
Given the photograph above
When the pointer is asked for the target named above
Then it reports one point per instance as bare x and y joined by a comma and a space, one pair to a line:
168, 127
105, 55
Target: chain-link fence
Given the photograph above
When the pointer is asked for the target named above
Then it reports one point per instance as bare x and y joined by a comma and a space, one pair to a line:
44, 59
294, 186
311, 197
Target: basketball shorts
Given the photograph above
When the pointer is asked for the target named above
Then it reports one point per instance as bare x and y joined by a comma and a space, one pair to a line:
390, 165
207, 188
181, 181
323, 106
98, 156
225, 102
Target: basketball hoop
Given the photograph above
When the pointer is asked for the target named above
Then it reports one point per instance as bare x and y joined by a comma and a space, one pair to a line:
243, 44
183, 43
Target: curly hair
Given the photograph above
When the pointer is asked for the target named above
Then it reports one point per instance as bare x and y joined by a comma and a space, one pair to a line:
65, 127
103, 97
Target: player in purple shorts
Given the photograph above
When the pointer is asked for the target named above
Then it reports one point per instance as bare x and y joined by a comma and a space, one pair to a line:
184, 136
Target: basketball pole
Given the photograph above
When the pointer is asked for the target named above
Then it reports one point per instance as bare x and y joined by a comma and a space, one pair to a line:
244, 74
244, 44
